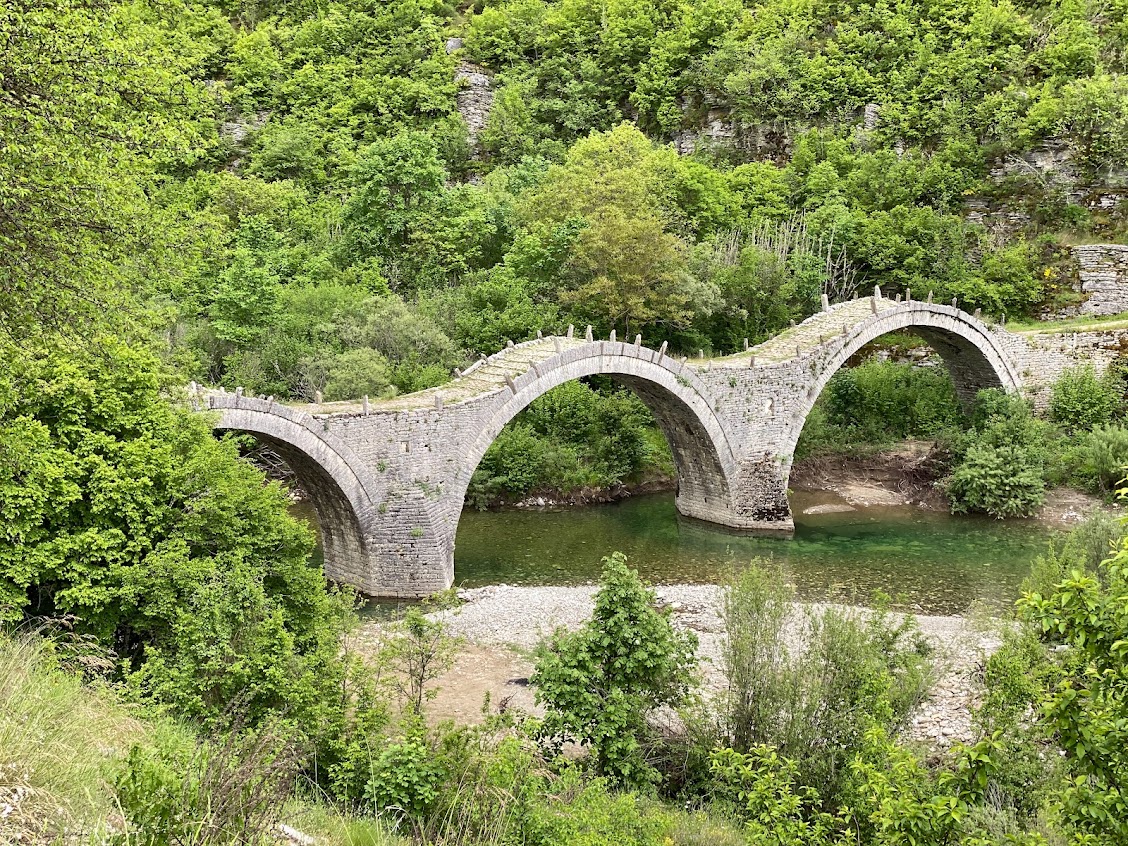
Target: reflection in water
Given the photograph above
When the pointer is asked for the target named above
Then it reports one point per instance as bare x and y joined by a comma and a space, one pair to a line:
934, 562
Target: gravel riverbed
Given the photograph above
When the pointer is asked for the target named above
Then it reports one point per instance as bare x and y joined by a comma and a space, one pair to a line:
502, 617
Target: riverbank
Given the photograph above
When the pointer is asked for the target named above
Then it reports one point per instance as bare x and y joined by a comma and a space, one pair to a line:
502, 624
904, 475
907, 475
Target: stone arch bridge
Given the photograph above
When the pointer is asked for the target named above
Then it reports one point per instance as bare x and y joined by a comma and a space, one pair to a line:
388, 478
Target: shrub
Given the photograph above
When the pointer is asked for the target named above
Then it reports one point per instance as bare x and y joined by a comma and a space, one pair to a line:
404, 779
126, 512
815, 705
1086, 707
1079, 400
227, 790
1102, 458
879, 402
572, 437
587, 813
601, 682
776, 807
1000, 464
419, 650
885, 400
997, 480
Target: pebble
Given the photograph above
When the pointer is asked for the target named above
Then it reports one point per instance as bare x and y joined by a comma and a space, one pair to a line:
522, 616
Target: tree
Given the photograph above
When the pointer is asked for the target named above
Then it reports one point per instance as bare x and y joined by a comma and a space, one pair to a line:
398, 179
627, 270
93, 100
127, 514
601, 683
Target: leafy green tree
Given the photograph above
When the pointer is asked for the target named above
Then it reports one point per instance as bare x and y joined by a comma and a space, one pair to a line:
398, 179
126, 513
602, 682
95, 103
628, 271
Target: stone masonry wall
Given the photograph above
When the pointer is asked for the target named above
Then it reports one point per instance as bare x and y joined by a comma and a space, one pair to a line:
475, 97
1103, 275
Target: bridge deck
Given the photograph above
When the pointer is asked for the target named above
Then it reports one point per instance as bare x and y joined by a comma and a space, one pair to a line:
490, 374
812, 332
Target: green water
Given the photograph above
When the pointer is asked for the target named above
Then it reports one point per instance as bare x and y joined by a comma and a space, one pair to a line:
935, 563
939, 564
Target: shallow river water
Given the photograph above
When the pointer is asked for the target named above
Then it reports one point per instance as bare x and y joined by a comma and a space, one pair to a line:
930, 562
934, 562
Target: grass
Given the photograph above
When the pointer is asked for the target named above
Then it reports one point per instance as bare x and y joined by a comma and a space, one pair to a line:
59, 741
1073, 324
64, 741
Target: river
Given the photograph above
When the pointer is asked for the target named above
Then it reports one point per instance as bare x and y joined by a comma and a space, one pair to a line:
932, 562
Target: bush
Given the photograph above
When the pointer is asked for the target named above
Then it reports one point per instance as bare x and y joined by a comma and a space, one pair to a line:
600, 683
1101, 458
1086, 706
1000, 464
126, 512
572, 437
997, 480
1079, 400
404, 779
885, 400
589, 813
879, 402
227, 790
812, 706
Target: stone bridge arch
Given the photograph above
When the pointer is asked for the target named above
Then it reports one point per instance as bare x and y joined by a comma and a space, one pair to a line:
973, 354
707, 466
388, 478
337, 482
781, 379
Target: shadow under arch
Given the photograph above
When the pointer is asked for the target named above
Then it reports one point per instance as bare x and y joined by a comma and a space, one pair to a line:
335, 481
706, 464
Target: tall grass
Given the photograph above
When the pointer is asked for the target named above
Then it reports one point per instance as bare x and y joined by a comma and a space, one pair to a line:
59, 742
77, 764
